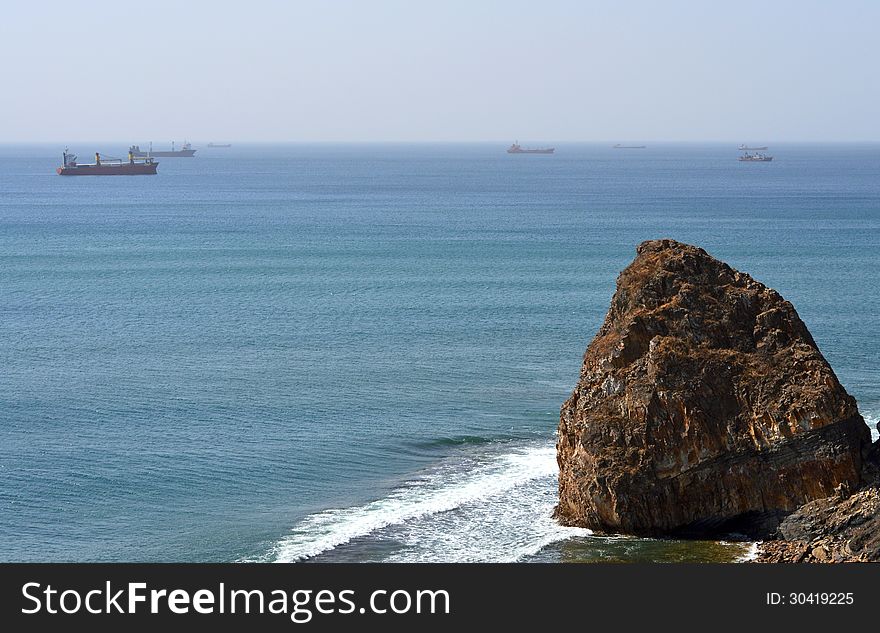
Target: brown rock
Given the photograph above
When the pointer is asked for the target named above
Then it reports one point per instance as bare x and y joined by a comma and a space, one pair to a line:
703, 405
846, 525
851, 524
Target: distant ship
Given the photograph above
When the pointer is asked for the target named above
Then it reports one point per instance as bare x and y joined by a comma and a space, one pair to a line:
757, 157
219, 145
619, 146
106, 166
185, 152
516, 149
744, 148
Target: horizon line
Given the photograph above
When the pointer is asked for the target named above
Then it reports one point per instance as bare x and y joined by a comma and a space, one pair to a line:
453, 142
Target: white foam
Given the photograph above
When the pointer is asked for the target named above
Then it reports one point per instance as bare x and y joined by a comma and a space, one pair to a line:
872, 417
751, 553
492, 508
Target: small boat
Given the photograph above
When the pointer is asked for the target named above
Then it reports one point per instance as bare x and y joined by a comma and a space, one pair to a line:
218, 145
517, 149
757, 157
744, 148
619, 146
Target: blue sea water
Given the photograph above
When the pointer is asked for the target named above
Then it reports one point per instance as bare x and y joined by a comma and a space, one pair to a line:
358, 352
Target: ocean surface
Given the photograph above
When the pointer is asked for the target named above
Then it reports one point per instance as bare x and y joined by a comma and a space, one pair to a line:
358, 352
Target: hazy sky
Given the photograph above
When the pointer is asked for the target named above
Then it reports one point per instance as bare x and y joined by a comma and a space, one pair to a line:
335, 70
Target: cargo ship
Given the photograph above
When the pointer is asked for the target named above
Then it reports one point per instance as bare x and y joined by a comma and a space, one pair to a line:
744, 148
219, 145
757, 157
185, 152
516, 149
106, 166
619, 146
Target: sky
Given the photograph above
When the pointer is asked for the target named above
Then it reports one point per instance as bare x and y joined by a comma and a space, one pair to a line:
451, 70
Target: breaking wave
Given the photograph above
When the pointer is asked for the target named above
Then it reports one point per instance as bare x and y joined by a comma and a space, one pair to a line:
491, 506
872, 418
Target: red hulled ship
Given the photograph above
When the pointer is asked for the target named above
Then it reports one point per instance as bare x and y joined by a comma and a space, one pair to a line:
107, 166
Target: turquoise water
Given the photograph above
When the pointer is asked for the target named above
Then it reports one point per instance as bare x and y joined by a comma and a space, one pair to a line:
359, 352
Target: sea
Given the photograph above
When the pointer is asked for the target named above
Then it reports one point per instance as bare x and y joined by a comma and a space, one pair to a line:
358, 352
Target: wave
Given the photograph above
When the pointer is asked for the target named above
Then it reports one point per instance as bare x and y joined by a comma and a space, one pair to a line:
493, 506
453, 441
461, 440
872, 419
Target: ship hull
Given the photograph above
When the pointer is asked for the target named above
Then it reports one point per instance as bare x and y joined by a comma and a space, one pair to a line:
755, 160
182, 153
531, 151
126, 169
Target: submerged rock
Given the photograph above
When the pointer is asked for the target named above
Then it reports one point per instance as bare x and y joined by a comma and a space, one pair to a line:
703, 406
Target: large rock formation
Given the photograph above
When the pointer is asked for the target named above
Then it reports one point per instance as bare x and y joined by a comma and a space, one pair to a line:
703, 406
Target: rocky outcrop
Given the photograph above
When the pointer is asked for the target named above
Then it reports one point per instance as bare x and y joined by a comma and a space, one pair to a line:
842, 528
703, 406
